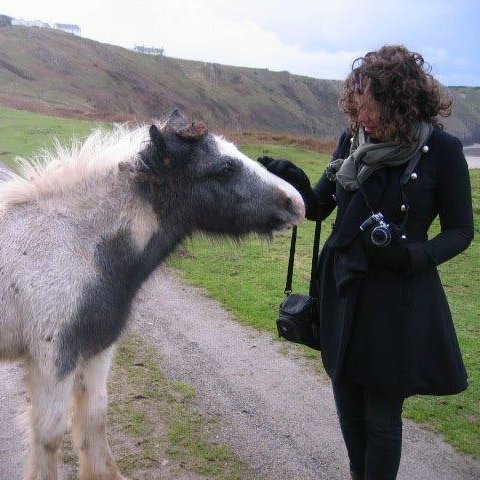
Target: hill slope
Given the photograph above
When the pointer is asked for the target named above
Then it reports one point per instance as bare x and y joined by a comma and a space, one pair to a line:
51, 71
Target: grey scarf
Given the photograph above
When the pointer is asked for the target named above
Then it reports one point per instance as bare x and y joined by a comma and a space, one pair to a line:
365, 158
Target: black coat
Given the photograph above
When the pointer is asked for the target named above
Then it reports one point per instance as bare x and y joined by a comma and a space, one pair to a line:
392, 330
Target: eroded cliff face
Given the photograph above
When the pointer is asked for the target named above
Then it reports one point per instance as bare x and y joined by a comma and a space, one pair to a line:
50, 71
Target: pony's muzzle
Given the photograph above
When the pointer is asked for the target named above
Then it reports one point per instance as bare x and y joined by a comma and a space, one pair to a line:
296, 208
291, 208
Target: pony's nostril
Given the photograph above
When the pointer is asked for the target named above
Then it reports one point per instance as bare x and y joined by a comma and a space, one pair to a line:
289, 206
291, 203
292, 206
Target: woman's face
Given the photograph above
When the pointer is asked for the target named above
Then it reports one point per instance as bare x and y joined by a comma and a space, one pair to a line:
369, 115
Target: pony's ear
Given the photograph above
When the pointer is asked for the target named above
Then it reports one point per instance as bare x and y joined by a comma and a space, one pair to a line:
178, 124
154, 158
157, 156
176, 120
158, 141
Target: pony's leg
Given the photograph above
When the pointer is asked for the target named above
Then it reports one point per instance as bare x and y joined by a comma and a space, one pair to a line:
89, 420
49, 397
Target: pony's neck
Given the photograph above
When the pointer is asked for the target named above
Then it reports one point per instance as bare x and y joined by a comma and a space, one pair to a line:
121, 207
138, 238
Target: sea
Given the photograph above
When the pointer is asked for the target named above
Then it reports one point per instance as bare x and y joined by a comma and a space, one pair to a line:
472, 154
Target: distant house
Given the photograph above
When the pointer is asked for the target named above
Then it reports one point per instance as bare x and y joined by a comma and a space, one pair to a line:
66, 27
148, 50
5, 21
29, 23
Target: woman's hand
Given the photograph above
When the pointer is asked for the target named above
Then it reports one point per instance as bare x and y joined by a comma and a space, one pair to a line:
394, 256
296, 177
289, 172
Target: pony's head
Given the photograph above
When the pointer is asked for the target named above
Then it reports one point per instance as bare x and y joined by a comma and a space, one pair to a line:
206, 184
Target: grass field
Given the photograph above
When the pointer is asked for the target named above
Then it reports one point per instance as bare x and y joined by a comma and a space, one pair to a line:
23, 133
249, 278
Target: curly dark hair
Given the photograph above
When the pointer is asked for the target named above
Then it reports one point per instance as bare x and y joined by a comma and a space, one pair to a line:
401, 83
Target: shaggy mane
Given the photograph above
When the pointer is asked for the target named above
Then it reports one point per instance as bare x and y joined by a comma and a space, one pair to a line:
59, 170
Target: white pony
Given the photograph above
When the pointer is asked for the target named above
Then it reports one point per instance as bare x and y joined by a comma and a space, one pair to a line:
80, 231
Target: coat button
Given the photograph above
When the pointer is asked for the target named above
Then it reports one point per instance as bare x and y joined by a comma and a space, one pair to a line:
403, 208
413, 176
351, 140
425, 149
403, 237
334, 198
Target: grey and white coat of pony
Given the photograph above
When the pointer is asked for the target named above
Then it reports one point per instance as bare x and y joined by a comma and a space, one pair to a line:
80, 230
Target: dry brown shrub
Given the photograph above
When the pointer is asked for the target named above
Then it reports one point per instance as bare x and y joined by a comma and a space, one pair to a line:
305, 142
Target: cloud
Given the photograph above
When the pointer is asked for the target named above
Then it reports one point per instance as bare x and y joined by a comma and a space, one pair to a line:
307, 37
201, 31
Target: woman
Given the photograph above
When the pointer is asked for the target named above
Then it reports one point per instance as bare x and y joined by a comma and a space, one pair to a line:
385, 325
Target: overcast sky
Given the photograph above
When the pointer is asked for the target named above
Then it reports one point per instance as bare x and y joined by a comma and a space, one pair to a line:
307, 37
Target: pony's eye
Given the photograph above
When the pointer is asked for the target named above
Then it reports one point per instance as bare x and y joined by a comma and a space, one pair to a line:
224, 170
227, 168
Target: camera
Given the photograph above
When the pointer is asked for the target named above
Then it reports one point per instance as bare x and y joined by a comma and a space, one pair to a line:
380, 233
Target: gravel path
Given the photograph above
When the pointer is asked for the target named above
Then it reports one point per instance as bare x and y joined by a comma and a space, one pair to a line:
273, 408
12, 402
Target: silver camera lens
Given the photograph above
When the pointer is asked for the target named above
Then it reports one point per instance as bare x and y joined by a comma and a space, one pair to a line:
381, 235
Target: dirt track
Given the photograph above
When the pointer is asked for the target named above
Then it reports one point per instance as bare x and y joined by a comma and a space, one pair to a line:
272, 407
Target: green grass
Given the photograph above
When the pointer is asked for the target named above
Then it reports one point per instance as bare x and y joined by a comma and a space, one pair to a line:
24, 133
154, 401
249, 278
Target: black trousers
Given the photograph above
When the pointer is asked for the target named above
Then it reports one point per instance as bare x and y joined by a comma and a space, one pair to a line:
372, 429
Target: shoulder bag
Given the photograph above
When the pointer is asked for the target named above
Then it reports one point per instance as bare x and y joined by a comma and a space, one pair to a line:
298, 319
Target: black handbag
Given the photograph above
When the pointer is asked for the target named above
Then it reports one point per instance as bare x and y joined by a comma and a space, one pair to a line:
298, 319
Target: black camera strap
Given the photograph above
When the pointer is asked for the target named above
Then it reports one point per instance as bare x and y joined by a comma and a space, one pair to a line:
316, 246
410, 168
403, 181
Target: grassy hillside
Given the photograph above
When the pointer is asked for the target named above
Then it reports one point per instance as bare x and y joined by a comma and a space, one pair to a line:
54, 72
466, 119
51, 71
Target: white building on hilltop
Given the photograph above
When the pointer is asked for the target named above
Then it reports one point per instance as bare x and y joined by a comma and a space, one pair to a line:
29, 23
66, 27
149, 50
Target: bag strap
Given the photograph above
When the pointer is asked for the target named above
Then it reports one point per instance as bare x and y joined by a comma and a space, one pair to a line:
288, 285
316, 246
410, 168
